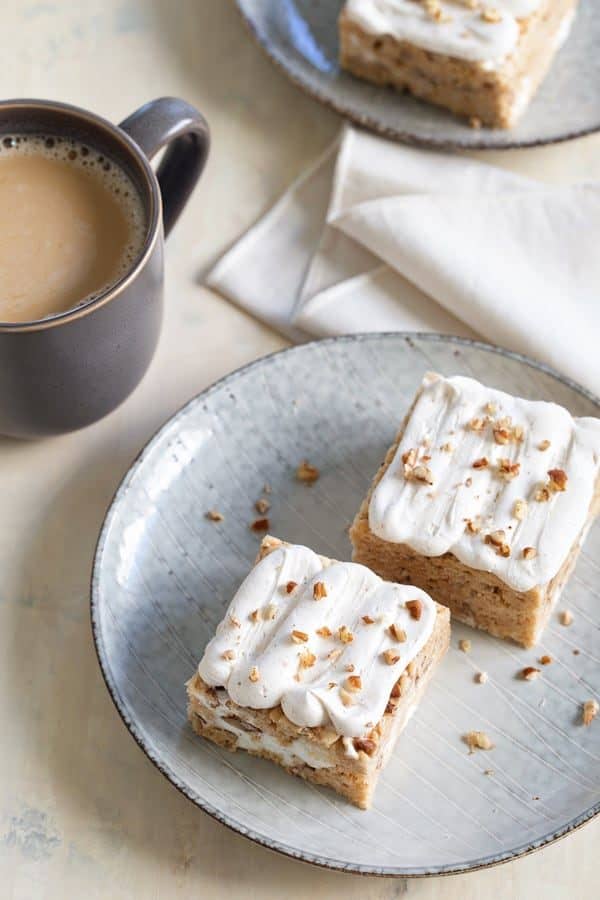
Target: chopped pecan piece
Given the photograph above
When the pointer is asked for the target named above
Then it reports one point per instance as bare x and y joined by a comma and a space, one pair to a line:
391, 657
260, 525
415, 608
262, 506
307, 473
254, 674
291, 586
307, 659
368, 620
558, 479
529, 673
397, 633
590, 711
299, 637
324, 632
507, 469
477, 740
319, 590
214, 515
529, 552
345, 635
353, 683
481, 463
365, 745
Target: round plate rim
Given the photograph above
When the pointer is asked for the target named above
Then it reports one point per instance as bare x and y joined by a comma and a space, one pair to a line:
112, 687
387, 131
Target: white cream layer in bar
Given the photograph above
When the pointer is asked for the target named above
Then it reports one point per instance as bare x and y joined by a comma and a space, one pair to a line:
295, 634
473, 462
474, 34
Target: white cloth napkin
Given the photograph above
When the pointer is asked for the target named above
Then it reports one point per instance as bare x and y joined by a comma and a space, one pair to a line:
381, 237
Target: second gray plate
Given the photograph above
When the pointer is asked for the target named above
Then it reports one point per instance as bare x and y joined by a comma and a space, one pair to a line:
164, 574
301, 37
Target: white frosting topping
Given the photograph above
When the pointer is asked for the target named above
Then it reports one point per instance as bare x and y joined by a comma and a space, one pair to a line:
434, 518
460, 32
269, 666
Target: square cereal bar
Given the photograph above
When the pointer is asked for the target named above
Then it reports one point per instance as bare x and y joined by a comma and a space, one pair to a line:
483, 501
479, 59
317, 666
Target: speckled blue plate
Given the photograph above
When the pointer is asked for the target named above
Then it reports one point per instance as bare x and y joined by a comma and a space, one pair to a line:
300, 36
163, 575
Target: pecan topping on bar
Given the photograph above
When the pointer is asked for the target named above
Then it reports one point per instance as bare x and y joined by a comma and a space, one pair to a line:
324, 632
353, 683
447, 447
481, 677
262, 506
529, 673
255, 615
365, 745
558, 479
590, 711
543, 445
391, 657
473, 526
319, 590
545, 660
566, 617
254, 674
465, 645
307, 473
260, 525
345, 635
415, 608
228, 654
307, 659
477, 740
529, 552
497, 539
299, 637
349, 667
214, 515
291, 586
507, 469
520, 509
234, 621
423, 474
476, 424
346, 697
481, 463
491, 408
397, 633
368, 620
542, 494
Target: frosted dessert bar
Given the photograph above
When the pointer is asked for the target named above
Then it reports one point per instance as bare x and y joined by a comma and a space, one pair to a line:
317, 666
479, 59
483, 501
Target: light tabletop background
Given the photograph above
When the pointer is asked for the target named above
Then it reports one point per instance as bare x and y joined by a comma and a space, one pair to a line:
83, 813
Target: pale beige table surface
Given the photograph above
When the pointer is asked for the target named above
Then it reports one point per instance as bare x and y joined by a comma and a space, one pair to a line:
83, 814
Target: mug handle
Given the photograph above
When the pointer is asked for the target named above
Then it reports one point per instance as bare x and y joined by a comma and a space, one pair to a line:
171, 121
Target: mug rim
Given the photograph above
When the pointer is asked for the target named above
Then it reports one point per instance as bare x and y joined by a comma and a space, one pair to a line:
154, 218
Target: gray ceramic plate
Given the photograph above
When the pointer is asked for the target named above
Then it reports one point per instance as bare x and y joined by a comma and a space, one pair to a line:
164, 573
301, 37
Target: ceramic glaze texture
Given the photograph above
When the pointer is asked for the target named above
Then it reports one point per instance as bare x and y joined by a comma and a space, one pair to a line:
301, 37
165, 575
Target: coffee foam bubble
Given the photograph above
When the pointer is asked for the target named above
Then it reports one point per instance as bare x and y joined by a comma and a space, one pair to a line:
99, 166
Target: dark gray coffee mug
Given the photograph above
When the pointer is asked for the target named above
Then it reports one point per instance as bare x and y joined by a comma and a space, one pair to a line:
66, 371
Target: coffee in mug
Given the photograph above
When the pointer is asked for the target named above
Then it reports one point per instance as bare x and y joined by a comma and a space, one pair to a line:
72, 225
